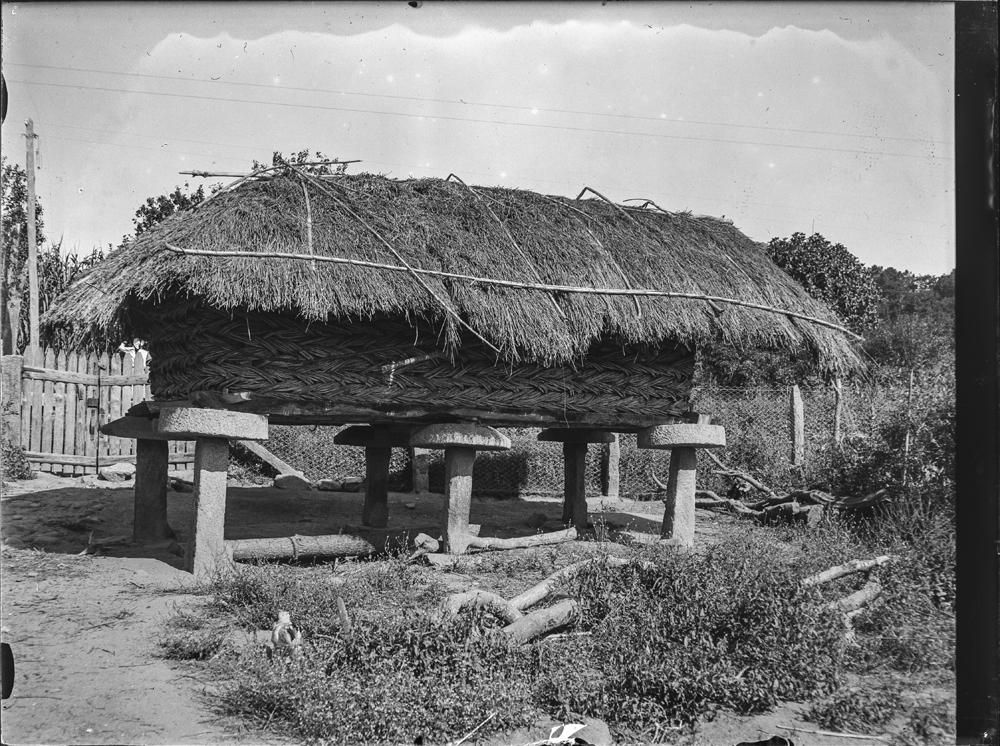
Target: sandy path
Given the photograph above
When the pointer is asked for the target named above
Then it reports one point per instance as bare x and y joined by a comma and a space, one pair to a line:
84, 635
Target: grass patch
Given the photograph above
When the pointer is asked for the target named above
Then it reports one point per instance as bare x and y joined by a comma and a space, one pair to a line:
854, 709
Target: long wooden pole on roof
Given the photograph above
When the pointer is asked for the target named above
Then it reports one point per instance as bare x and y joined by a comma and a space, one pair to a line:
519, 285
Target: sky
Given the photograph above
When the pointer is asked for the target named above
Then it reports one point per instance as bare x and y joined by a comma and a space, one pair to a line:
787, 117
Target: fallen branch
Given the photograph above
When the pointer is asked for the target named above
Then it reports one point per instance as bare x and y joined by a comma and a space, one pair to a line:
730, 472
468, 735
712, 500
537, 623
833, 733
541, 590
857, 565
453, 605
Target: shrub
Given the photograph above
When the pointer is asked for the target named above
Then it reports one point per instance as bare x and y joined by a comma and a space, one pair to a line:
14, 463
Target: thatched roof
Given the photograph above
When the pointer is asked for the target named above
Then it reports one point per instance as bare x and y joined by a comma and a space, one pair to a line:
435, 224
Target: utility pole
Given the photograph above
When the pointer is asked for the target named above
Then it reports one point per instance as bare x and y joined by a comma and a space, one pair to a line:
33, 353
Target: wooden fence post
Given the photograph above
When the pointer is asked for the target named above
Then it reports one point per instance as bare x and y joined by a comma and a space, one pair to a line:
610, 465
10, 374
797, 415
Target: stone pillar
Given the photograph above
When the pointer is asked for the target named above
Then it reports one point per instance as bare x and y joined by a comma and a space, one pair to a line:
420, 465
460, 443
575, 465
211, 429
375, 511
149, 520
149, 523
206, 548
681, 440
378, 442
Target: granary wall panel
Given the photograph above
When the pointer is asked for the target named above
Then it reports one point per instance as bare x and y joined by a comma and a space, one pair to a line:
366, 370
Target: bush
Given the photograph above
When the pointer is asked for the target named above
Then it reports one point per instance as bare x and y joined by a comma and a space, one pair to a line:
14, 463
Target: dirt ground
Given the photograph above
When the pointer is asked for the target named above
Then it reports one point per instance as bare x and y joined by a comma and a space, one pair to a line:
84, 628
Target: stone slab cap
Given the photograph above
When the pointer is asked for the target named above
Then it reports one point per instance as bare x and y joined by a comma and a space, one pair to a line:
576, 435
480, 437
142, 428
182, 423
682, 436
374, 436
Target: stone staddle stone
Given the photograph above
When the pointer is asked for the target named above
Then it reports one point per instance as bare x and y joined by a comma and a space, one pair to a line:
193, 422
479, 437
682, 436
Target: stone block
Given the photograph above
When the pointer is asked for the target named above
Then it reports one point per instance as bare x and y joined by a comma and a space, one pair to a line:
328, 485
352, 484
292, 482
181, 423
478, 437
121, 472
682, 436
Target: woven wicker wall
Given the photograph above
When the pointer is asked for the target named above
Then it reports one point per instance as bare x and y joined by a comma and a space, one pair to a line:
280, 359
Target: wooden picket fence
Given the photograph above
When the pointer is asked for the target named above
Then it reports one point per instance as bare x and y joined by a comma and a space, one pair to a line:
65, 400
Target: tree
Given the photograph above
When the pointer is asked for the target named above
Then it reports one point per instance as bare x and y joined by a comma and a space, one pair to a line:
832, 274
14, 250
157, 209
917, 329
829, 273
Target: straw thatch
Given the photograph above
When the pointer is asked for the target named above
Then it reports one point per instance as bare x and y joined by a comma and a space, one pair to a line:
443, 225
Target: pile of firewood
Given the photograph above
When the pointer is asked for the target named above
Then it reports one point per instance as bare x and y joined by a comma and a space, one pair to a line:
807, 505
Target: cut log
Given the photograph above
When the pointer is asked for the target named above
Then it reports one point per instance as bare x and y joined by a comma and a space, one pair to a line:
839, 571
536, 624
521, 542
453, 605
871, 590
330, 545
424, 544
